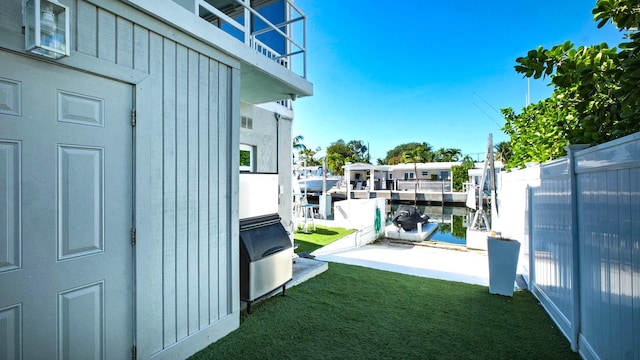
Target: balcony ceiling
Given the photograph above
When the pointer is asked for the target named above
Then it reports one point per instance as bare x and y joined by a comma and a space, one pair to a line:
265, 81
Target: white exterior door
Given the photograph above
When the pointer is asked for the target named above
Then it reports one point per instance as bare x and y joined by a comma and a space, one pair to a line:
65, 213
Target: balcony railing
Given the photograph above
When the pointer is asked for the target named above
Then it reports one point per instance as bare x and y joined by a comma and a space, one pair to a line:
424, 185
273, 28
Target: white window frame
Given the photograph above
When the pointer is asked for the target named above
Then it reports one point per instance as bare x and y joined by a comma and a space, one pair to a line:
251, 150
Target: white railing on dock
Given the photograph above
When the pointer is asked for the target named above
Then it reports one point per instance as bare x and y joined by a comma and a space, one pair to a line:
424, 185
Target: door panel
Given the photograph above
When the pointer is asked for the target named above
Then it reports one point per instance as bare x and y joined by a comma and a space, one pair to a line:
66, 205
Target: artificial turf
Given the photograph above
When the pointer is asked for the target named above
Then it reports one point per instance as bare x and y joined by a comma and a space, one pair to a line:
351, 312
321, 236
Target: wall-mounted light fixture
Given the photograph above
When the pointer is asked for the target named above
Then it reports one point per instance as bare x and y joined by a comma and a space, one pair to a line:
47, 28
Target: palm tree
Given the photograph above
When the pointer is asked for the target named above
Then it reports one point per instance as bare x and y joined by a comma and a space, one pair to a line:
414, 156
298, 146
454, 154
307, 156
503, 151
427, 152
335, 162
297, 143
467, 160
448, 155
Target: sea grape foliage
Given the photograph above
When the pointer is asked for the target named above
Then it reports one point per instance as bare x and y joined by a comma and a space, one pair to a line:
596, 96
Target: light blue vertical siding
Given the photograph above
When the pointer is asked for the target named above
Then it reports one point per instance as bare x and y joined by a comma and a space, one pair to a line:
213, 191
186, 246
182, 194
193, 199
87, 40
204, 203
152, 269
169, 189
141, 58
107, 37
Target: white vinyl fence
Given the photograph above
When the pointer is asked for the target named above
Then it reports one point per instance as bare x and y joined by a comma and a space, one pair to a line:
578, 218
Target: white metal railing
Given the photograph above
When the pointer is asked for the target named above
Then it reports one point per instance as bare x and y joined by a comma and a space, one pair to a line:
294, 48
265, 50
424, 185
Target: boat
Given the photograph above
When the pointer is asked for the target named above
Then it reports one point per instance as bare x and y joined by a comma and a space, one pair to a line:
408, 217
310, 180
410, 224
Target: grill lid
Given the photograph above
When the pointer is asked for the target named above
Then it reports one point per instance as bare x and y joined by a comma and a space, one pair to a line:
262, 236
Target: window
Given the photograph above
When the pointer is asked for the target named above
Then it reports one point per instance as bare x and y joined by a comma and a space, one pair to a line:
246, 158
409, 175
390, 176
425, 173
246, 122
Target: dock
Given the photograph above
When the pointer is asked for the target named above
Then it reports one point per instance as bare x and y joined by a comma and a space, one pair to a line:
422, 233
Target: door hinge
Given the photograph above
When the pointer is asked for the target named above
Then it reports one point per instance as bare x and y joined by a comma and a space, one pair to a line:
133, 237
134, 352
133, 118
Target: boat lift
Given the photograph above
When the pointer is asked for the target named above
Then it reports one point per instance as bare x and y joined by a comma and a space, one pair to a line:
480, 226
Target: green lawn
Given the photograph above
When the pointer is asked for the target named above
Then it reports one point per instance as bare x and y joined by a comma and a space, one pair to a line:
351, 312
320, 237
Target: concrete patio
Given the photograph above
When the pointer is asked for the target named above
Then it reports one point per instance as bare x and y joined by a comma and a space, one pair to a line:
425, 259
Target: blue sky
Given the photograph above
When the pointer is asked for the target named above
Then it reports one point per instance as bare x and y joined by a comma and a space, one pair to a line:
389, 73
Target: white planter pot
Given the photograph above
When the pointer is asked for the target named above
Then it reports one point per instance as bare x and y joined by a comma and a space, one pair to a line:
503, 262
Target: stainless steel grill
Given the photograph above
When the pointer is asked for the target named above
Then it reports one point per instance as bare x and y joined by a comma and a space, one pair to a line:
265, 257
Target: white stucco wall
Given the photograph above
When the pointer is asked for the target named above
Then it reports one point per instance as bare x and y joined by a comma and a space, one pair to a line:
270, 137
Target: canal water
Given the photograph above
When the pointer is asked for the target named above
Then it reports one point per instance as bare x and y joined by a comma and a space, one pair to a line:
452, 221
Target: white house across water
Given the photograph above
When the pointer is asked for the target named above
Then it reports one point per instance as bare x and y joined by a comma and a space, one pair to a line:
120, 132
